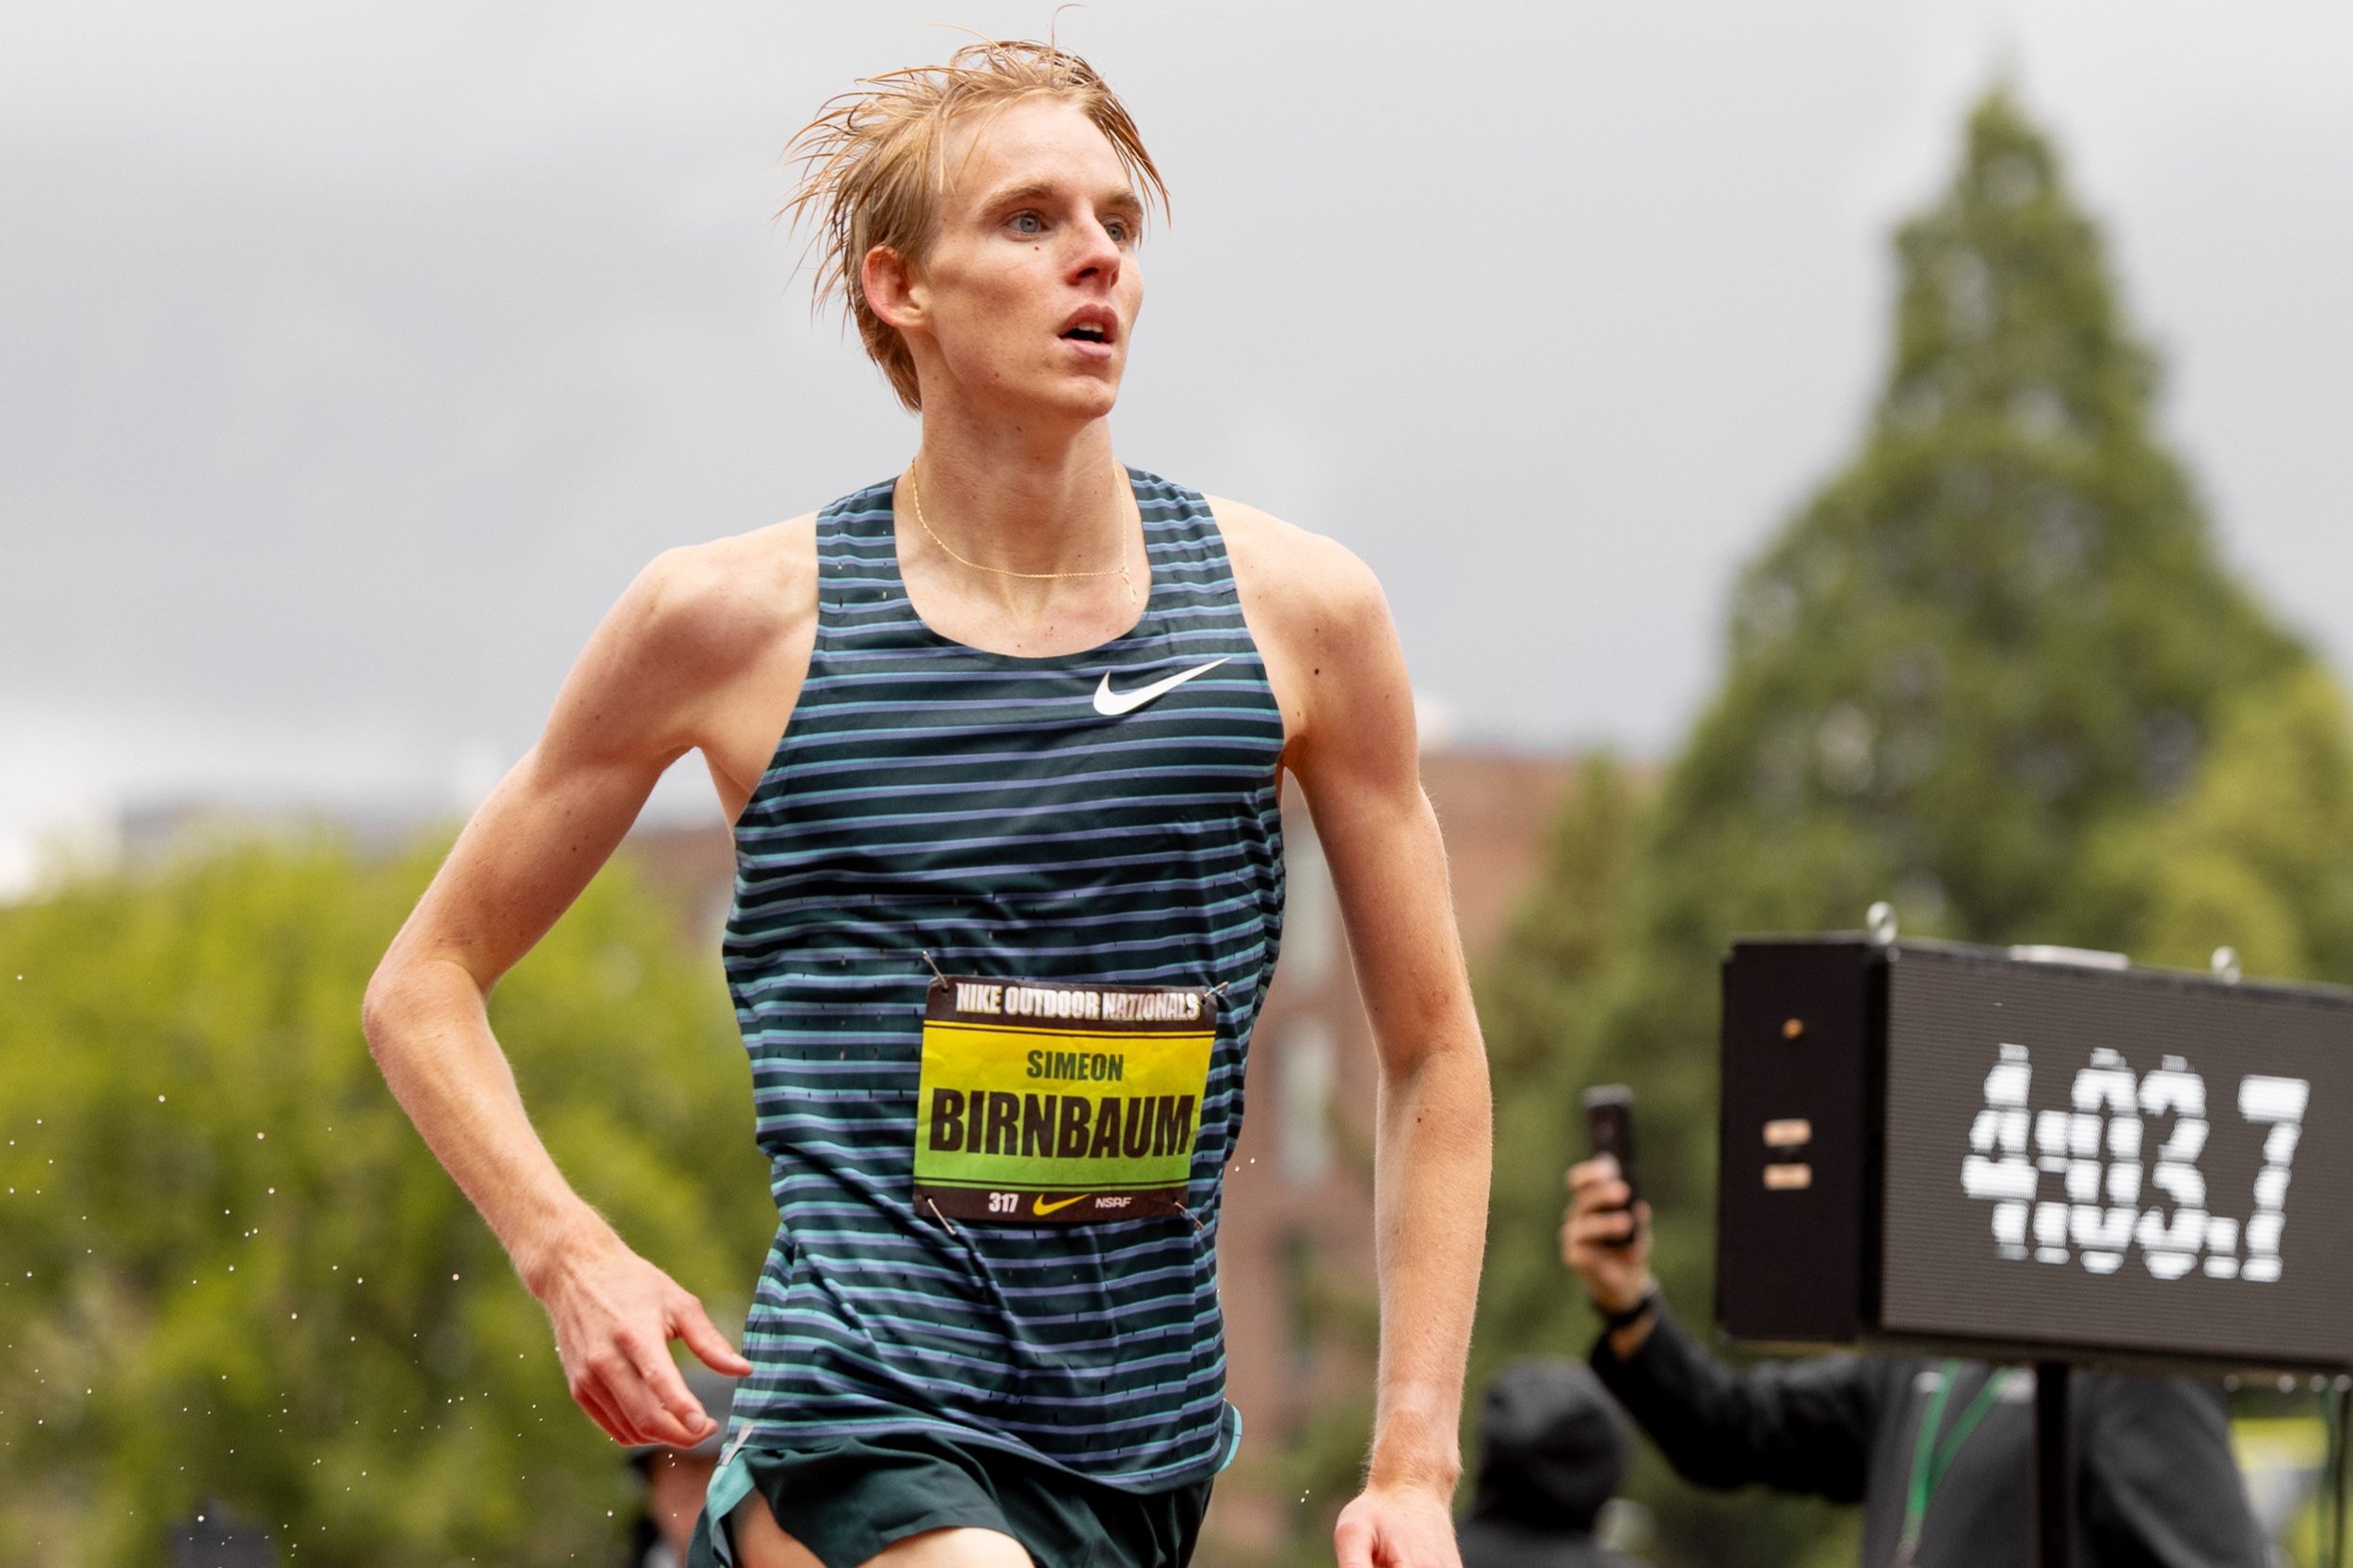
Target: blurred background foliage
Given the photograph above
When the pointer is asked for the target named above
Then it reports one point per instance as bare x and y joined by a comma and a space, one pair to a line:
235, 1275
1997, 671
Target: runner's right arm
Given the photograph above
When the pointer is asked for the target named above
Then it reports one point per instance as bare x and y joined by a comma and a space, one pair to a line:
653, 683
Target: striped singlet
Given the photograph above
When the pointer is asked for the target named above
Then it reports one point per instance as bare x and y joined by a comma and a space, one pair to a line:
931, 805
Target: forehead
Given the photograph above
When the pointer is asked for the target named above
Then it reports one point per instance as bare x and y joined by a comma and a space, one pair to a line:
1036, 141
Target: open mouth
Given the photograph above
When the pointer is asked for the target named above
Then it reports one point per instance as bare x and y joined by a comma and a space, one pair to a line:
1091, 324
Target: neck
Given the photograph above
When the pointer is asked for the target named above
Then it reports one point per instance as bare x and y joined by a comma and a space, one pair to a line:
1018, 498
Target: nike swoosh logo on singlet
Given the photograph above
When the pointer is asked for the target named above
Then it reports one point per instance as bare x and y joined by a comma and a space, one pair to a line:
1045, 1207
1111, 704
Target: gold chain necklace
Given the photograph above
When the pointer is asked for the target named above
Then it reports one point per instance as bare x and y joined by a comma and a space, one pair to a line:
915, 489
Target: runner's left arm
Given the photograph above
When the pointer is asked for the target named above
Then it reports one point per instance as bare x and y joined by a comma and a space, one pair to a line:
1355, 754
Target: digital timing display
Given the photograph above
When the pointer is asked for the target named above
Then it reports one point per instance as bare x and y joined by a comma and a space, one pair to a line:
2115, 1161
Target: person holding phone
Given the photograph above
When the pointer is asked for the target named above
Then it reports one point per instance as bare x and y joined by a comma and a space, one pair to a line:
1939, 1451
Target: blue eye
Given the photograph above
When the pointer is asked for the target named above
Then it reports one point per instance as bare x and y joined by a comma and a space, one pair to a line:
1028, 223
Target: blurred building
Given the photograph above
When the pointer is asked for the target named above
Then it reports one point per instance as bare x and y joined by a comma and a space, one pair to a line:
150, 833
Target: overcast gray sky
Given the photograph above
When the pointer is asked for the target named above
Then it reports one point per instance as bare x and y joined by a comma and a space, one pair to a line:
352, 359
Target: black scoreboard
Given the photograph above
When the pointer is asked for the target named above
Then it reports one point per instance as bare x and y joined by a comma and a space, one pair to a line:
1925, 1144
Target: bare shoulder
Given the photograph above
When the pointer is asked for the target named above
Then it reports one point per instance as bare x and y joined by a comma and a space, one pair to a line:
694, 652
716, 606
1321, 624
1300, 582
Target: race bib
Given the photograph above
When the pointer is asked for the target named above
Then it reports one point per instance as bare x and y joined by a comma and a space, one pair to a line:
1059, 1103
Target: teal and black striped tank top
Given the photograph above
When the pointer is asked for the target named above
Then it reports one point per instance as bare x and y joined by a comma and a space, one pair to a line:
933, 808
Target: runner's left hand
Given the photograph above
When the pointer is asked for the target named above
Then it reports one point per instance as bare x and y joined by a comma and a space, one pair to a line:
1396, 1527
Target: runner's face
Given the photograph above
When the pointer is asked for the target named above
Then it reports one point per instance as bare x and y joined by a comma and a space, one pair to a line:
1031, 288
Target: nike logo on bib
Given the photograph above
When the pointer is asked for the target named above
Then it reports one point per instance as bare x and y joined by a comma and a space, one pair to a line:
1111, 704
1046, 1207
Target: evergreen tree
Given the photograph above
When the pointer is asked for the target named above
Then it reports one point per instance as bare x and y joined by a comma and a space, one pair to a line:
2000, 627
1994, 671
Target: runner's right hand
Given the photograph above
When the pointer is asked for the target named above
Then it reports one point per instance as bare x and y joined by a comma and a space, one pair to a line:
1608, 1246
615, 1315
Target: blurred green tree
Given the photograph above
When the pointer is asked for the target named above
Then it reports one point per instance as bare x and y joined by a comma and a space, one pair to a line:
233, 1270
1994, 671
2258, 854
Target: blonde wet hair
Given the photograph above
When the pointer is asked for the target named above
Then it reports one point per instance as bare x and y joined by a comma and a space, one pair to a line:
873, 165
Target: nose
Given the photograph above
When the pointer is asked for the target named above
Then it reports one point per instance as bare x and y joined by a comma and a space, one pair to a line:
1095, 255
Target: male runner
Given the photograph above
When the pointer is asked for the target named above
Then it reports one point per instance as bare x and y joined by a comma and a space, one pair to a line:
1001, 742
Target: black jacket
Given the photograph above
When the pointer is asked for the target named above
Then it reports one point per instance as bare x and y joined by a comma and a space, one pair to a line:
2155, 1483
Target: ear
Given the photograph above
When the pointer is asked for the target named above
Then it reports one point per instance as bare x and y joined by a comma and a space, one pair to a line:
893, 292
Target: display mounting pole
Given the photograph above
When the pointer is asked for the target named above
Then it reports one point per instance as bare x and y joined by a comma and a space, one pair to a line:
2054, 1468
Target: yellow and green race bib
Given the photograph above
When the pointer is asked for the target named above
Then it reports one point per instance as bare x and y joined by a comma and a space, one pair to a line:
1061, 1102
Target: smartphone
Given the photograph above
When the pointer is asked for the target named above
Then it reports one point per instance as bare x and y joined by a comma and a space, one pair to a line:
1610, 1130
